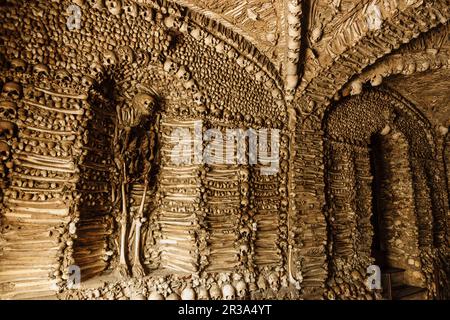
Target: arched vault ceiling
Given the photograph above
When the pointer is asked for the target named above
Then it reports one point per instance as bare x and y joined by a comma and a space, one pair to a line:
429, 92
343, 39
419, 70
318, 45
260, 21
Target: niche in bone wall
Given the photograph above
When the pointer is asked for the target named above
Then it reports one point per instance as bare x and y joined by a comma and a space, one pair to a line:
380, 205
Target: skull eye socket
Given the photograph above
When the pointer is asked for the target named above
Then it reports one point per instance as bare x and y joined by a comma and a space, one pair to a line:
19, 69
13, 93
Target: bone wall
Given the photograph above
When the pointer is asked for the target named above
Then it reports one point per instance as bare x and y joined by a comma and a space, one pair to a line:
39, 213
409, 207
95, 223
207, 231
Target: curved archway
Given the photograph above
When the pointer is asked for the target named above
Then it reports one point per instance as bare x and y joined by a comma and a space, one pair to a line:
383, 195
348, 54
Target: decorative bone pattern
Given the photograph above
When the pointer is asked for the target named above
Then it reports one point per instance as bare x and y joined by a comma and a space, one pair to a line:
86, 122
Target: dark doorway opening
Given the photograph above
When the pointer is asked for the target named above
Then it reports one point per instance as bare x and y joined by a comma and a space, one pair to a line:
378, 172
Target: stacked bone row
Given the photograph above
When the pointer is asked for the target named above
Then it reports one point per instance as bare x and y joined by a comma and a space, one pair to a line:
38, 219
95, 224
180, 186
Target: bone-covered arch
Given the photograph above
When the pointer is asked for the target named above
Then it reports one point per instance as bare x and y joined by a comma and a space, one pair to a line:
94, 75
408, 178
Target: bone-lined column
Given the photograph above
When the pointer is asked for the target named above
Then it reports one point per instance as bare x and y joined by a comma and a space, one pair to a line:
180, 191
363, 200
342, 194
223, 202
95, 225
40, 204
267, 203
423, 204
403, 203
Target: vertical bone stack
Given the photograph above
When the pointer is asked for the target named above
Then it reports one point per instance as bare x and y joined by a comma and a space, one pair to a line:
39, 212
91, 251
180, 184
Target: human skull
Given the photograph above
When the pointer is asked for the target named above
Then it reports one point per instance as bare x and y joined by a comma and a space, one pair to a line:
228, 292
6, 129
293, 57
137, 296
170, 67
250, 68
210, 40
244, 231
145, 103
244, 188
8, 110
190, 86
19, 65
125, 54
356, 87
62, 75
261, 76
244, 173
232, 54
142, 57
173, 296
109, 58
276, 93
284, 152
183, 74
154, 295
294, 22
41, 70
12, 89
131, 9
203, 294
242, 61
376, 80
215, 292
197, 33
241, 289
199, 98
87, 81
270, 84
171, 22
147, 14
188, 294
114, 6
96, 71
243, 249
5, 151
222, 47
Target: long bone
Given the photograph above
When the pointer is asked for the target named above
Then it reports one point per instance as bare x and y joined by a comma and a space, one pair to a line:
44, 107
138, 270
62, 95
123, 267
